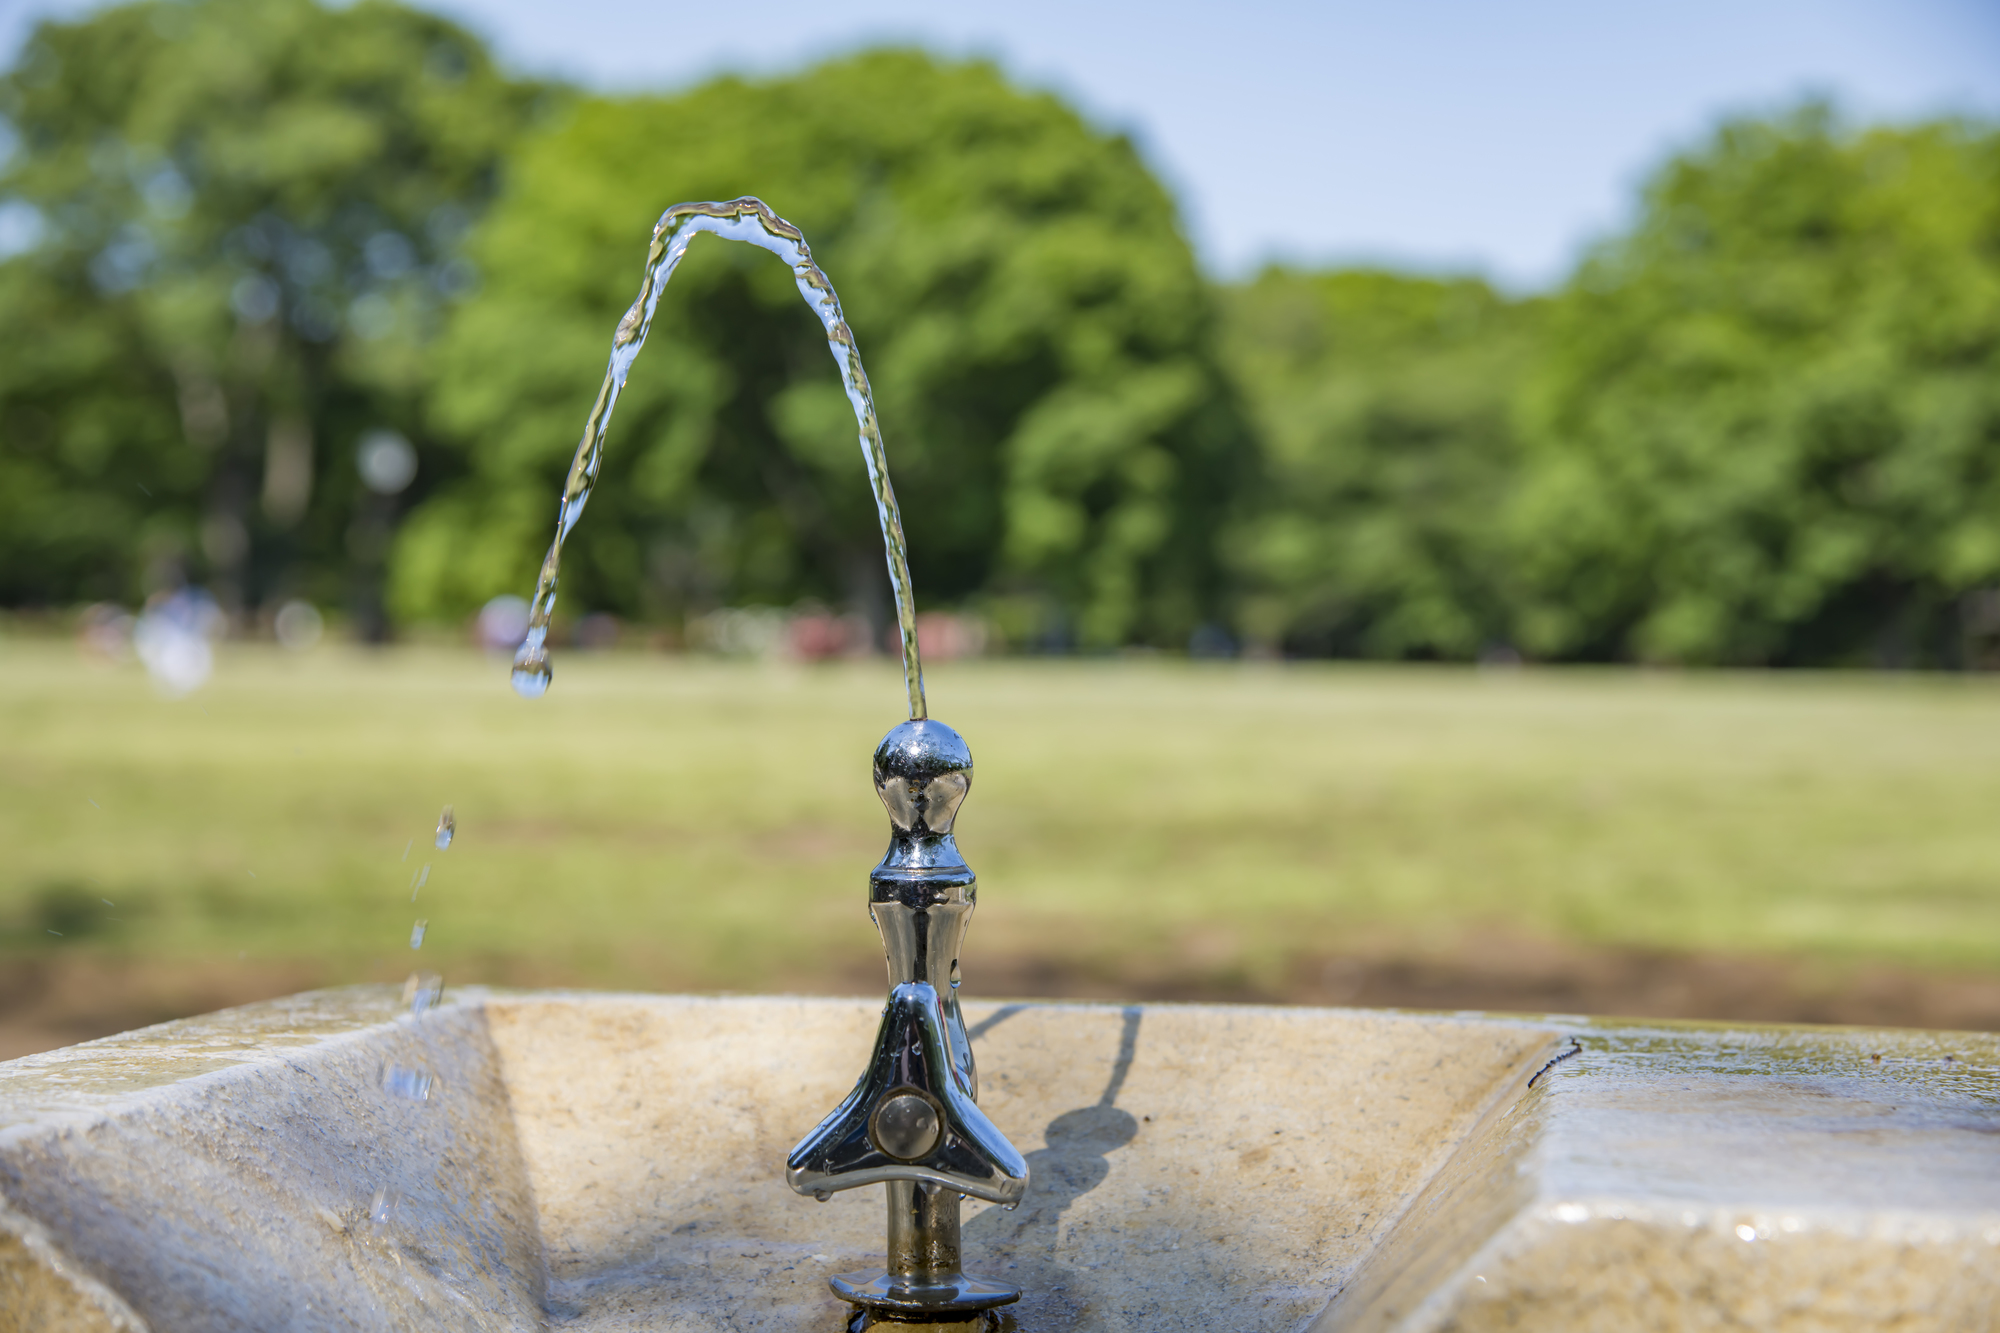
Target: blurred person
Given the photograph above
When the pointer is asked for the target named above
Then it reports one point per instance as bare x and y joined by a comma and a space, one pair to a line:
173, 638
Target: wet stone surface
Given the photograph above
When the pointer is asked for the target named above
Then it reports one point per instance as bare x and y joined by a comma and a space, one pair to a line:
606, 1162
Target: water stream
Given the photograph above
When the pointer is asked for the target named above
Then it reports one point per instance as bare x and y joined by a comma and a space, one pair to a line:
750, 220
421, 993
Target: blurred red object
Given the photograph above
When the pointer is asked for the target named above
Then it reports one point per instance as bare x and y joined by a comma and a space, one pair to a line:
815, 636
942, 636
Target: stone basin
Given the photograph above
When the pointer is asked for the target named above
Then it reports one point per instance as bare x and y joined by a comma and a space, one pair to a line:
615, 1162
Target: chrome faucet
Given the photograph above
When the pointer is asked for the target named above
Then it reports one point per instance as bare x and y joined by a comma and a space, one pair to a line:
913, 1121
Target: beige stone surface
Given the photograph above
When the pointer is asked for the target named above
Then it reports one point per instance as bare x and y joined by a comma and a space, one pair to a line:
1193, 1167
222, 1173
604, 1162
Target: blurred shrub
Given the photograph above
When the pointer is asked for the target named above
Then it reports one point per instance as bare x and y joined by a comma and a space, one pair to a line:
237, 223
1032, 321
1765, 426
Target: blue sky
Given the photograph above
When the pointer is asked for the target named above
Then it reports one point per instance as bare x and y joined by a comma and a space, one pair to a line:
1447, 136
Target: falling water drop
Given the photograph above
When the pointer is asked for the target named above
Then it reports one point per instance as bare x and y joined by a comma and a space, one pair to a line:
418, 880
532, 681
446, 827
532, 671
380, 1207
417, 933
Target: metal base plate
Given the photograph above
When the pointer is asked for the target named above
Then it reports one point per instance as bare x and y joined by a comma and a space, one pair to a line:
880, 1291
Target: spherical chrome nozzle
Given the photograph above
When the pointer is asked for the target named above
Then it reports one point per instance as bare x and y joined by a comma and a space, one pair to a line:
922, 772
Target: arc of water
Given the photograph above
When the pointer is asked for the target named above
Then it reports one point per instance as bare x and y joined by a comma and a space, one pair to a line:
750, 220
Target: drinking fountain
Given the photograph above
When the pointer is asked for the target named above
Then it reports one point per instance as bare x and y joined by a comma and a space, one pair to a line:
912, 1123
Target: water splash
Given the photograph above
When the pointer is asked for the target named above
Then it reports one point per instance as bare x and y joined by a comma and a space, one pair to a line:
422, 991
447, 826
411, 1084
749, 220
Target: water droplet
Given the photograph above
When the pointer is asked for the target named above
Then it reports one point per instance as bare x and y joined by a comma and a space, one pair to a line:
446, 827
532, 674
107, 902
417, 932
418, 880
403, 1081
821, 1196
406, 848
380, 1207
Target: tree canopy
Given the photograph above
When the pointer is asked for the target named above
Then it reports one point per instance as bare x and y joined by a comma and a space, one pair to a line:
1382, 402
1765, 425
1037, 334
241, 239
246, 214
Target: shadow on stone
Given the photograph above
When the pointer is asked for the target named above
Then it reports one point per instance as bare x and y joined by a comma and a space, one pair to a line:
1074, 1160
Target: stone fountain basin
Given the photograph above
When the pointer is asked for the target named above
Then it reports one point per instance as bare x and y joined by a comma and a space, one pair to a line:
614, 1162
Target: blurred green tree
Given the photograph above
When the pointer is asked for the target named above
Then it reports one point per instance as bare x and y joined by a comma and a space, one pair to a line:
1033, 323
1382, 403
1766, 424
236, 225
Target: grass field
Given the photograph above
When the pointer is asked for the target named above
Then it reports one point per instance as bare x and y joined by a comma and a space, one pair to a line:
663, 821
